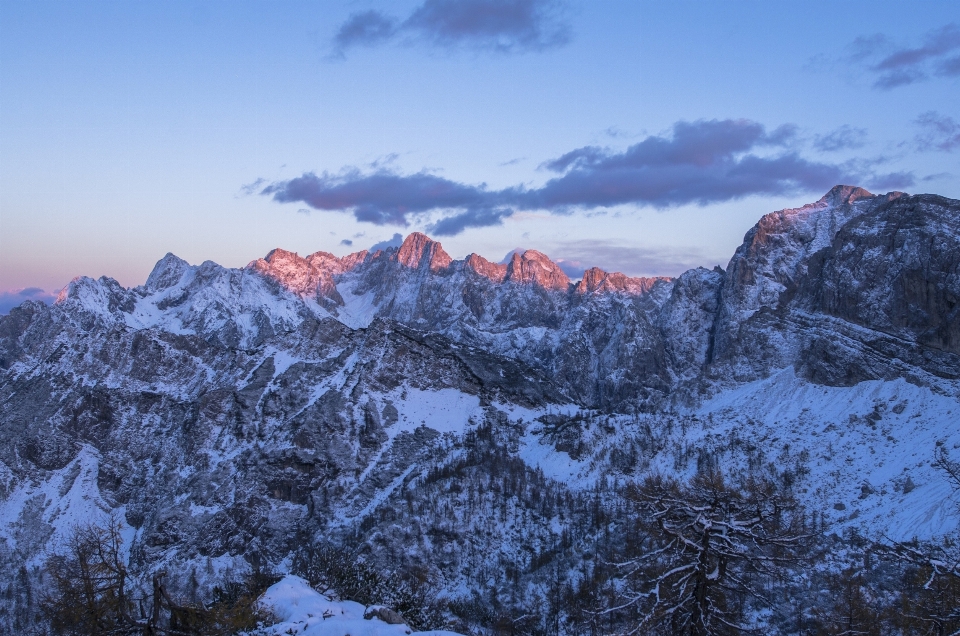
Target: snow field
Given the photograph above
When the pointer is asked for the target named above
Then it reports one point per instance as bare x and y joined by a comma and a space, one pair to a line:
305, 612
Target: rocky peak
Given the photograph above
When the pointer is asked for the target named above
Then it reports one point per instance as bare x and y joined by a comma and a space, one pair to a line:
479, 265
291, 270
310, 277
166, 273
812, 219
325, 261
351, 261
333, 265
597, 280
533, 267
844, 194
419, 250
281, 258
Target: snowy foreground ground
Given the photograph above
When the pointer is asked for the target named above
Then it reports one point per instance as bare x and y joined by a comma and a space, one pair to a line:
305, 612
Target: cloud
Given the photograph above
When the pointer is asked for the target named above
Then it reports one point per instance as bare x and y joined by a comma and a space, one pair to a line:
505, 26
939, 132
576, 256
701, 162
346, 242
395, 241
478, 217
950, 67
381, 197
367, 28
14, 297
251, 188
842, 138
895, 65
891, 181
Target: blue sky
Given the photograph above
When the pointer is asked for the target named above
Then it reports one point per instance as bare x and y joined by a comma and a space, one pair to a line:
645, 137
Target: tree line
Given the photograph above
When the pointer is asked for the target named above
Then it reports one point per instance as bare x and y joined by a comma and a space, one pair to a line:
712, 554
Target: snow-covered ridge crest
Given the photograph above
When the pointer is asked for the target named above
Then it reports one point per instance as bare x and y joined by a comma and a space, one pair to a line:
784, 300
317, 276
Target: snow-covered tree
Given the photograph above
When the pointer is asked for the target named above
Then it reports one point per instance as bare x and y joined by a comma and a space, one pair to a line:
707, 551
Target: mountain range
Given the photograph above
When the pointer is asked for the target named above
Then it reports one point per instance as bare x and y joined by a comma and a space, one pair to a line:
463, 418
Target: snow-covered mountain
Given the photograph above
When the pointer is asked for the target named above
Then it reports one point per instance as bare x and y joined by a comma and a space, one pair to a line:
462, 416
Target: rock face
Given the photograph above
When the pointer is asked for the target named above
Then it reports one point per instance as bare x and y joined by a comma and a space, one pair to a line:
850, 288
227, 414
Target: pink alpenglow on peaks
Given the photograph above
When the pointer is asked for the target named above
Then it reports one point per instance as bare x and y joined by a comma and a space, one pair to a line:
496, 272
535, 267
419, 250
595, 280
318, 275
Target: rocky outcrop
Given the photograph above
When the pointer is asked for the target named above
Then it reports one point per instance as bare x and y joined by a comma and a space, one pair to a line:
850, 288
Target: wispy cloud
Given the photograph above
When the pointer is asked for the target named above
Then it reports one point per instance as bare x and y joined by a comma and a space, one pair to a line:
892, 65
701, 162
576, 256
891, 181
367, 28
15, 297
938, 132
843, 138
505, 26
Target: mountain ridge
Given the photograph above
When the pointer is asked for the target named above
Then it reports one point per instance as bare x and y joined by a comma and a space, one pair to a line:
671, 333
458, 417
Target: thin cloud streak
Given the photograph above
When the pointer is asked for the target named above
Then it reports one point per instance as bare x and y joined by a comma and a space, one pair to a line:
894, 66
843, 138
939, 132
367, 28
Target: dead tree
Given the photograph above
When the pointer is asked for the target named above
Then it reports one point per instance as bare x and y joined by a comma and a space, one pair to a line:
89, 594
88, 578
707, 549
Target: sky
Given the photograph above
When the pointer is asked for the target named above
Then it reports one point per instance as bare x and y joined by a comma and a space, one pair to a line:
636, 136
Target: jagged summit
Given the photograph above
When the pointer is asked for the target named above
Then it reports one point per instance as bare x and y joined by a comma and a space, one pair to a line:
596, 280
420, 251
313, 276
845, 194
535, 267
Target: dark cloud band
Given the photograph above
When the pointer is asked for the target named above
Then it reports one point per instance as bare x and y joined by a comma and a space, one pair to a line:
701, 162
